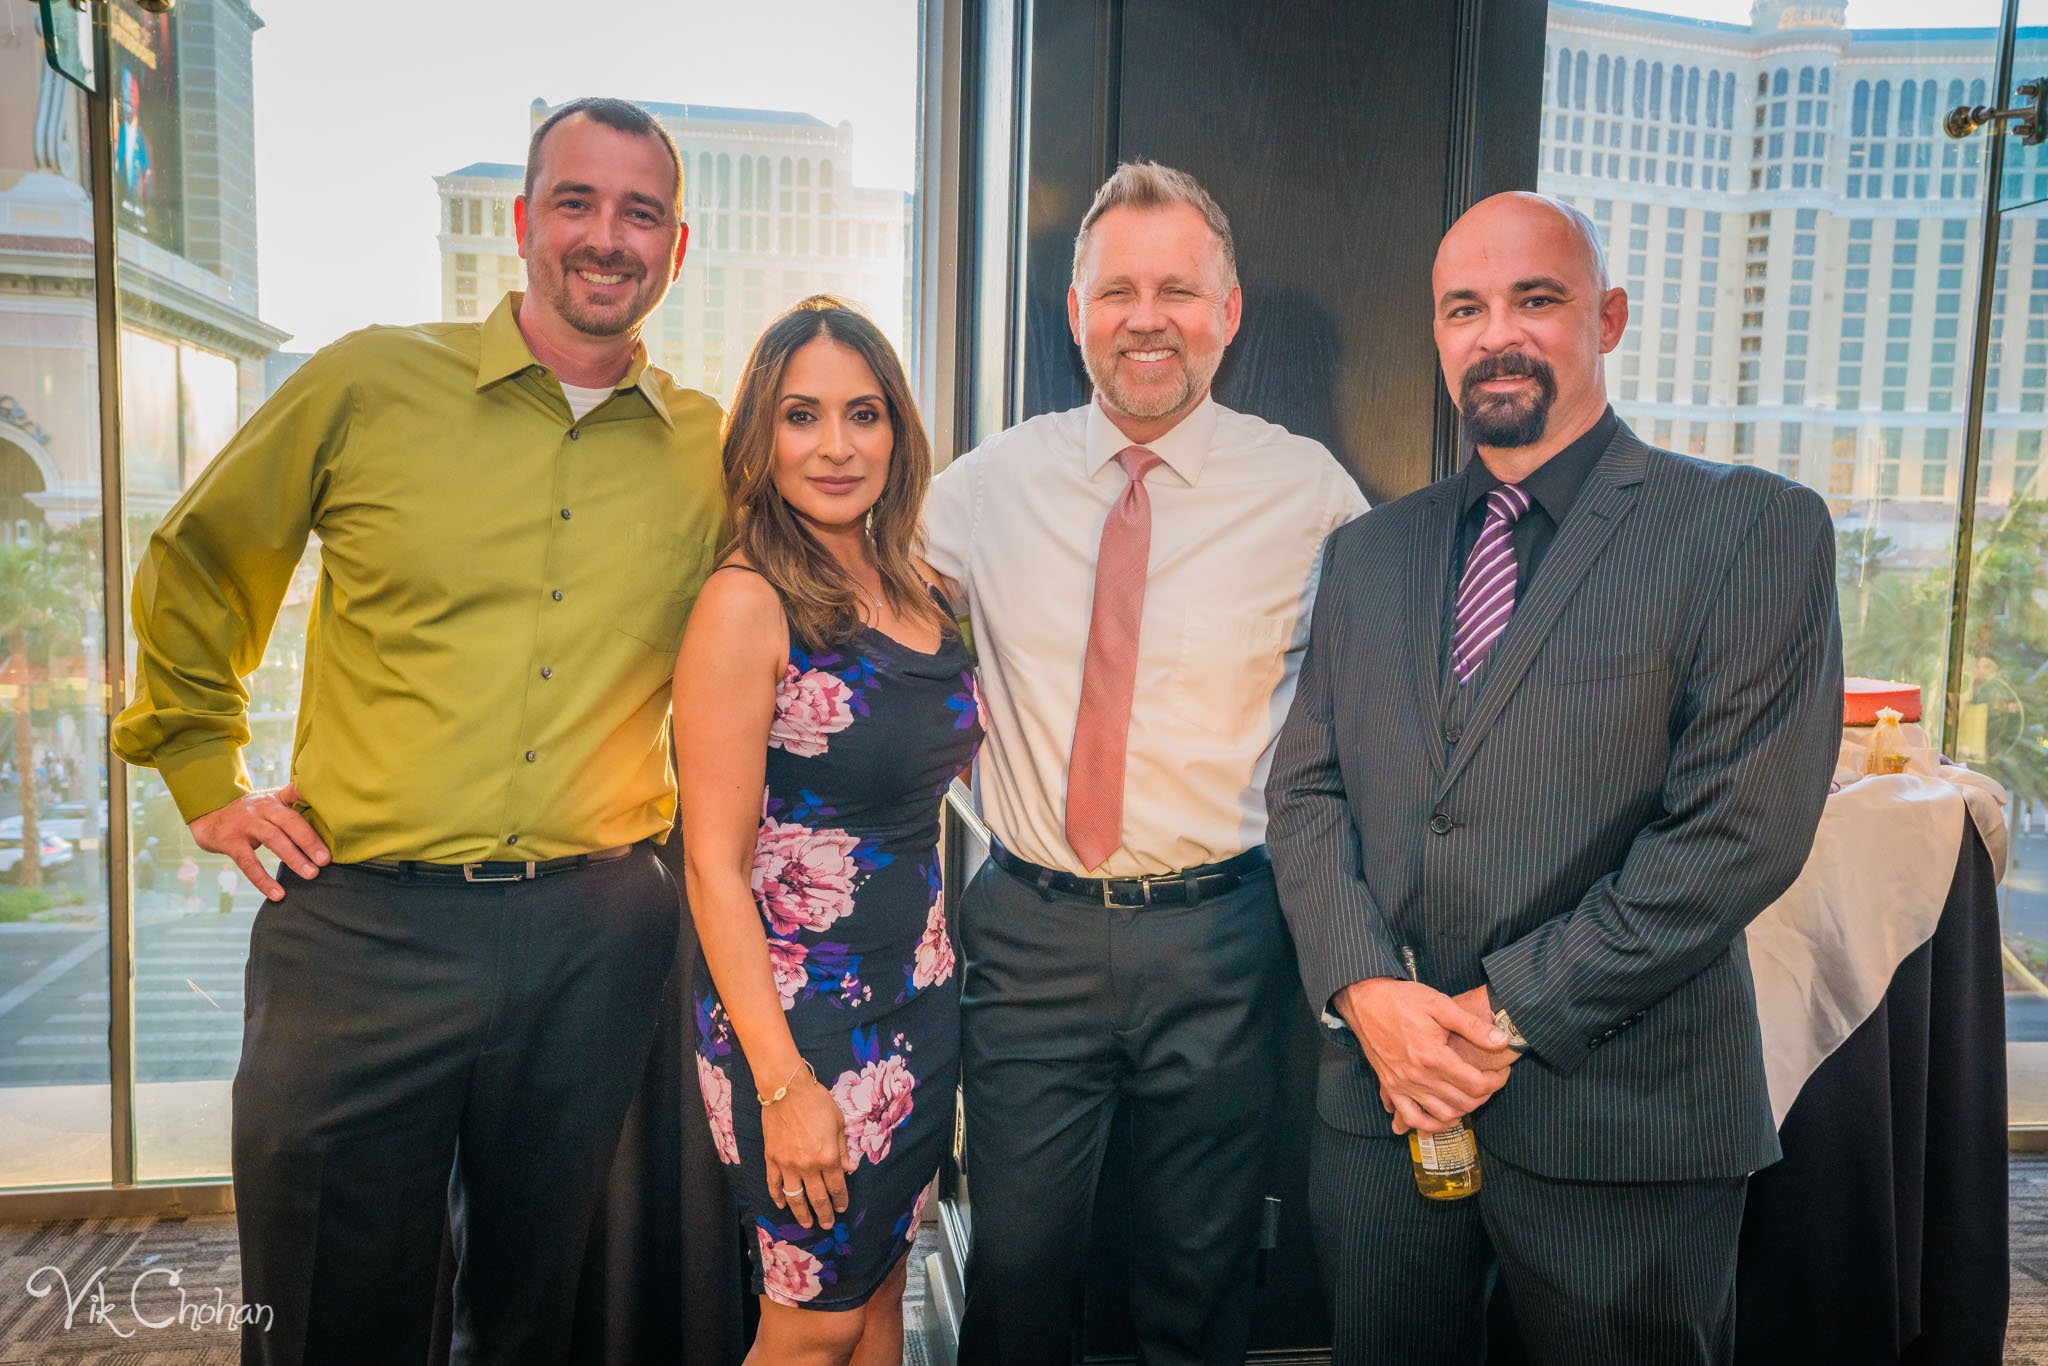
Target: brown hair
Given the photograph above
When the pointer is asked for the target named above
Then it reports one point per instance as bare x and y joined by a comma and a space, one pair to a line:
620, 115
823, 605
1148, 185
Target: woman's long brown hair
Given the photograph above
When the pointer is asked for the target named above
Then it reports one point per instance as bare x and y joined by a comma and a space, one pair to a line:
822, 602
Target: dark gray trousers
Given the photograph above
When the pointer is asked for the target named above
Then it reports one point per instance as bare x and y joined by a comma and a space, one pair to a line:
419, 1053
1600, 1274
1069, 1010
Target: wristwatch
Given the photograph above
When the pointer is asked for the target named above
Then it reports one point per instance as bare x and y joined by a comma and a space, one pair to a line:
1505, 1023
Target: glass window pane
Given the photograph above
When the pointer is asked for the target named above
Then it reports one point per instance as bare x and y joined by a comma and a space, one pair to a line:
231, 154
54, 1071
2002, 711
1831, 264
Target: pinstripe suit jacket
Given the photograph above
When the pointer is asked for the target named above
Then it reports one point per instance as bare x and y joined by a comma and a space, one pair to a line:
1640, 775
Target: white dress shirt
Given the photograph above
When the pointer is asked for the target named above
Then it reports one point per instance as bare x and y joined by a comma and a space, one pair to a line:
1240, 508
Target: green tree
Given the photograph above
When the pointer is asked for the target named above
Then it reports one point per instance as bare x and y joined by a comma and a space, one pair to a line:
36, 601
2005, 650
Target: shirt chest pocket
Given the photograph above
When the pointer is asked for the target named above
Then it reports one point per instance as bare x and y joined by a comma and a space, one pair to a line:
661, 575
1226, 668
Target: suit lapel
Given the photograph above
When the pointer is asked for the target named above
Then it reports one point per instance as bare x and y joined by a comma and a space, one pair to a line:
1607, 499
1429, 568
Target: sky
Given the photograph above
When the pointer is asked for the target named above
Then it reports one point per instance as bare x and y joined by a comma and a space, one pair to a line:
356, 115
1862, 13
354, 118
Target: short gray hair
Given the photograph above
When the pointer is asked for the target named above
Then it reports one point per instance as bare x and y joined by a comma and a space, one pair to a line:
1148, 185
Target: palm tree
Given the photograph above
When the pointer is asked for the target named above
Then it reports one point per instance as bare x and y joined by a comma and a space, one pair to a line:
34, 598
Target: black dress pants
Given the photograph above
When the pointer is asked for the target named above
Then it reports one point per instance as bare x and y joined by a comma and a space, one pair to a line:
415, 1053
1599, 1273
1068, 1010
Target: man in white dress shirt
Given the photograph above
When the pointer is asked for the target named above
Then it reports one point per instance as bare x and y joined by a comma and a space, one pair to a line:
1139, 573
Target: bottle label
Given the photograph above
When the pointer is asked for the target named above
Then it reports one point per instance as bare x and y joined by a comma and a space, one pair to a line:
1450, 1151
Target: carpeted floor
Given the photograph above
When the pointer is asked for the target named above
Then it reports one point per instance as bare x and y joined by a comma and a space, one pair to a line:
108, 1297
81, 1322
2026, 1332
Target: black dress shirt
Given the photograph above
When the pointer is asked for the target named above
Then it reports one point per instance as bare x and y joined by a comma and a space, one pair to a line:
1553, 488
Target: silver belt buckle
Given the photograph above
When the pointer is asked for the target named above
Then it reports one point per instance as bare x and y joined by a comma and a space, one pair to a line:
1144, 891
469, 874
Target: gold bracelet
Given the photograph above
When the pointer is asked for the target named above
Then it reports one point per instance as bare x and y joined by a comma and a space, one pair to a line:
803, 1064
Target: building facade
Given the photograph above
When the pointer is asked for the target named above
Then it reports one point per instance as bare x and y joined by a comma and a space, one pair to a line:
774, 216
193, 348
1799, 242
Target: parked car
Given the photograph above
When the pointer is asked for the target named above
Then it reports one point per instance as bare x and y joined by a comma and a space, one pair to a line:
57, 852
64, 819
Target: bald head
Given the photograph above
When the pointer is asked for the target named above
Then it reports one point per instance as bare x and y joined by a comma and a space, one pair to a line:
1520, 213
1524, 313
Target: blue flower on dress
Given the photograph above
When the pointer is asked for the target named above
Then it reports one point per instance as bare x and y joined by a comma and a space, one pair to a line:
869, 855
714, 1030
809, 806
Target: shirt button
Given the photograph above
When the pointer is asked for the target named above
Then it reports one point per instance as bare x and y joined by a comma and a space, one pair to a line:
1440, 824
565, 514
557, 595
531, 756
574, 434
547, 673
1452, 735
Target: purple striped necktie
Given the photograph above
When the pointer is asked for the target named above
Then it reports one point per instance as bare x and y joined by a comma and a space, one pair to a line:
1486, 594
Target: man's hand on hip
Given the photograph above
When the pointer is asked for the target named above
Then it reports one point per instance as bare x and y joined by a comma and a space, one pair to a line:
1408, 1032
262, 820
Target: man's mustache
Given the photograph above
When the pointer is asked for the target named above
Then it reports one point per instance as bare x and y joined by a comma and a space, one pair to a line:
1510, 365
618, 263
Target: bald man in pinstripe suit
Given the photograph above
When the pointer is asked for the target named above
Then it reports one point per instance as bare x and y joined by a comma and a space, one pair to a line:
1565, 727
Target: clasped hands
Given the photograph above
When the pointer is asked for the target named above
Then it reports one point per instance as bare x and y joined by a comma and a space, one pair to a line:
1438, 1057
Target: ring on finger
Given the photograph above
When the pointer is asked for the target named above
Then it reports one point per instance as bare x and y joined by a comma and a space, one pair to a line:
798, 1191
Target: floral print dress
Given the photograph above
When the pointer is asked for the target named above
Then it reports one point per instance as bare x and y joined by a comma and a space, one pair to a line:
846, 877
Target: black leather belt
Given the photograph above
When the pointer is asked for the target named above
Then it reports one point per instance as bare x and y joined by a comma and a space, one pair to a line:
415, 870
1184, 888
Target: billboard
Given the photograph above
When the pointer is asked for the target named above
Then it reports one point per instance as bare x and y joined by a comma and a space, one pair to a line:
148, 142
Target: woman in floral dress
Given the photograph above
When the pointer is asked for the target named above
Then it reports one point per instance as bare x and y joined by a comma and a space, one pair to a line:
823, 701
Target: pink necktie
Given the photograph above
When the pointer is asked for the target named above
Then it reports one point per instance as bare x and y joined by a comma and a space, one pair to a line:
1095, 773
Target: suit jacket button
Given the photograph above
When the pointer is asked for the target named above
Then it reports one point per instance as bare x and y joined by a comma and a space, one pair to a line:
1452, 735
1440, 824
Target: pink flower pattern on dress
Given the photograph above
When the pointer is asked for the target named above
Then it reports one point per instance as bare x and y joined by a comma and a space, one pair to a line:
803, 878
934, 949
876, 1101
788, 961
717, 1091
808, 707
788, 1273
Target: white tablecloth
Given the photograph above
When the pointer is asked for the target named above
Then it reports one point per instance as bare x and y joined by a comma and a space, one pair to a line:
1871, 892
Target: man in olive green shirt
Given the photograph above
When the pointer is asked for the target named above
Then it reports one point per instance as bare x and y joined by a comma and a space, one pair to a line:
456, 977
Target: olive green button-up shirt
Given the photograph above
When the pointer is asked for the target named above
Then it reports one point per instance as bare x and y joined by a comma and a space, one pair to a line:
500, 597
